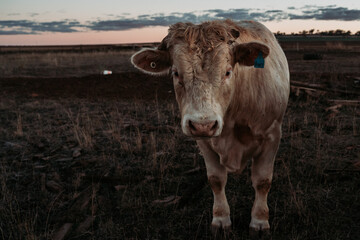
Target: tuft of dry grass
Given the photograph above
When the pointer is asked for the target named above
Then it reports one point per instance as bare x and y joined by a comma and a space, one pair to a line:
82, 126
19, 127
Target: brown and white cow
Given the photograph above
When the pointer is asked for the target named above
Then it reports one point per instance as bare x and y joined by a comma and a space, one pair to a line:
233, 110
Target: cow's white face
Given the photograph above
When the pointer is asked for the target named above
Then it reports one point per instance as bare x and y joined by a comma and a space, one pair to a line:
203, 81
203, 84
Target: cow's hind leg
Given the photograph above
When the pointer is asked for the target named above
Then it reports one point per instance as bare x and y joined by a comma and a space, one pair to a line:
261, 176
217, 176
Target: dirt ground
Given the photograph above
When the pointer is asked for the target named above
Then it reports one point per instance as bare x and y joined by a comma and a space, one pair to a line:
103, 157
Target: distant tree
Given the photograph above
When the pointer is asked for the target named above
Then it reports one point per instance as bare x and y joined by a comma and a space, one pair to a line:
303, 32
278, 33
339, 32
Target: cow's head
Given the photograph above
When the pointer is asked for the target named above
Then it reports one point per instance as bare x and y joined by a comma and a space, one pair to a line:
201, 59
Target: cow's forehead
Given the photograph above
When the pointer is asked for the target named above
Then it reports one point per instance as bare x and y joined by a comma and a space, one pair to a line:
184, 57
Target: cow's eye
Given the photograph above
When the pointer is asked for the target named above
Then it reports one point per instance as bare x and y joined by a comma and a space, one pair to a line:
176, 74
228, 73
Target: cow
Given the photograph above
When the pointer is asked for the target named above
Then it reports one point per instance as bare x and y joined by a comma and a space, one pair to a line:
233, 109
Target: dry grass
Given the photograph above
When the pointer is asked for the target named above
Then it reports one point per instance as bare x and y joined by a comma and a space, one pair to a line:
134, 153
117, 168
58, 64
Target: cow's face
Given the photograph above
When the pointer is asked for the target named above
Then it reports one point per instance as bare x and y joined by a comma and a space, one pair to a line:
203, 84
203, 80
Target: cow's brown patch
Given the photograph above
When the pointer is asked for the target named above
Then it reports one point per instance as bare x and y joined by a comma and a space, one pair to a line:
264, 186
262, 214
243, 133
215, 184
218, 212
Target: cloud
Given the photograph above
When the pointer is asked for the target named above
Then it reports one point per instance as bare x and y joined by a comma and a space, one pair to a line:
328, 13
125, 22
12, 27
13, 14
236, 14
57, 26
166, 20
14, 32
142, 21
34, 14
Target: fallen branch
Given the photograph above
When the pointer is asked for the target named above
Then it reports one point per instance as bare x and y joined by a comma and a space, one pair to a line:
168, 200
192, 170
85, 224
308, 85
309, 91
334, 108
340, 170
63, 231
345, 102
321, 88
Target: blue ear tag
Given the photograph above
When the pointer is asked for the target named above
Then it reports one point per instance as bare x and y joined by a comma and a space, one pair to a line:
259, 61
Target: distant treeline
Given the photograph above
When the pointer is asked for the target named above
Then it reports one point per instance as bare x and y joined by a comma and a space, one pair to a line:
337, 32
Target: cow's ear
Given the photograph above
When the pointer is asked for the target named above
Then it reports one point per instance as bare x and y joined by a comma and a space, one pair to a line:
152, 61
246, 53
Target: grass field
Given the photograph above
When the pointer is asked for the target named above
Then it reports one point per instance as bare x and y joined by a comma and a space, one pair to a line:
86, 156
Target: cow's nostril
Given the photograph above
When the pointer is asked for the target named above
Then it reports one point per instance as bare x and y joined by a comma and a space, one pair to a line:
215, 125
192, 127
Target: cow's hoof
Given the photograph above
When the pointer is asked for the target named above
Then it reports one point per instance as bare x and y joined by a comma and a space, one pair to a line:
221, 227
259, 229
263, 234
221, 233
221, 222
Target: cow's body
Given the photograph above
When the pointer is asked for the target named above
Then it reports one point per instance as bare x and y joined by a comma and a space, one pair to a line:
233, 110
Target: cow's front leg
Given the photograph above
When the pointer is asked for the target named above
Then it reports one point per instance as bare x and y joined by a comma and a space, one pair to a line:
217, 176
261, 177
259, 225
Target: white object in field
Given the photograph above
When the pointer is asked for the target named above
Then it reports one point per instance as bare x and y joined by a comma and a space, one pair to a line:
107, 72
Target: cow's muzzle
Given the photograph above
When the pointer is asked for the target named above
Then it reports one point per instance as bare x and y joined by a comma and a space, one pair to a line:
207, 129
202, 126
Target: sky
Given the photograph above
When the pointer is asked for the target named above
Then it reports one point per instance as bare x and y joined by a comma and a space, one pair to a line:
49, 22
